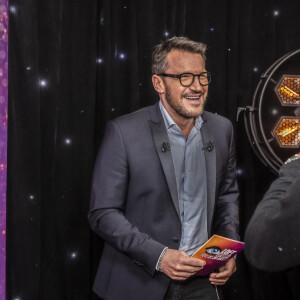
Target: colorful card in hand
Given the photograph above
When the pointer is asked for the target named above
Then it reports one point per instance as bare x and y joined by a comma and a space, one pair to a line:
216, 252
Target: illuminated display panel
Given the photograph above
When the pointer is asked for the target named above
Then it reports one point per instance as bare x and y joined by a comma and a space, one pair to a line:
272, 122
288, 90
288, 132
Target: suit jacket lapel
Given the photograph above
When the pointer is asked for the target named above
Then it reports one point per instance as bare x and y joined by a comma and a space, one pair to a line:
160, 136
210, 160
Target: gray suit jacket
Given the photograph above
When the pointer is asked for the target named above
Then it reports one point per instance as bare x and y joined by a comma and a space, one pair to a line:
134, 202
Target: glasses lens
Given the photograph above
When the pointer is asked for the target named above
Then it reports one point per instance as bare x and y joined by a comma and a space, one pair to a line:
186, 79
204, 78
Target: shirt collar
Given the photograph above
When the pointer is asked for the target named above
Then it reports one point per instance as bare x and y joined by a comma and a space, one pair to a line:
169, 122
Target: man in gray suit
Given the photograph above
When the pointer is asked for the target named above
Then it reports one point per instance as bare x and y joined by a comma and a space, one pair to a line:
164, 182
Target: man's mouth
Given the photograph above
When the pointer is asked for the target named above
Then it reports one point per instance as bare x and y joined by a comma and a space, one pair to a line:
193, 97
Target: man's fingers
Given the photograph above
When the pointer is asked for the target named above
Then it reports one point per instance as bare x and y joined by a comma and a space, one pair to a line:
225, 275
179, 266
218, 282
214, 279
196, 262
225, 272
191, 261
183, 261
184, 270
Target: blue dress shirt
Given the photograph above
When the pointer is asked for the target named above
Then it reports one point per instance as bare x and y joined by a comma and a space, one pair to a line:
190, 171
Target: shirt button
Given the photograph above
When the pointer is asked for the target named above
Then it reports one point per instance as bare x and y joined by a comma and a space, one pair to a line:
187, 198
175, 239
187, 172
186, 224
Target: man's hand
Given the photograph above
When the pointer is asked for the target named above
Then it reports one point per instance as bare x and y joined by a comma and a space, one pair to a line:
179, 266
225, 272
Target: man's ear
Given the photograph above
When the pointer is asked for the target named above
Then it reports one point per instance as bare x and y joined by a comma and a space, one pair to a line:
158, 84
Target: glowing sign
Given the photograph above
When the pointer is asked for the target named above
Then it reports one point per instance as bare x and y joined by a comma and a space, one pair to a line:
287, 132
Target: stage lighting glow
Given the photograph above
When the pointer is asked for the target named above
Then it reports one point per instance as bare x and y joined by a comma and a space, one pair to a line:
288, 90
288, 132
272, 122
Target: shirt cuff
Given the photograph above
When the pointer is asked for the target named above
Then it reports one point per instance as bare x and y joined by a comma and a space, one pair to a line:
160, 258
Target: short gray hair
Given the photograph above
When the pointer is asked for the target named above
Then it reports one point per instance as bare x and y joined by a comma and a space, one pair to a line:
160, 52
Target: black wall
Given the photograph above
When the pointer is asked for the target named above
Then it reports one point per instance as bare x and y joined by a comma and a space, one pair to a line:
74, 65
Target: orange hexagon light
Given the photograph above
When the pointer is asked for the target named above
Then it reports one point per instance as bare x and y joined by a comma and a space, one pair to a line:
288, 90
287, 132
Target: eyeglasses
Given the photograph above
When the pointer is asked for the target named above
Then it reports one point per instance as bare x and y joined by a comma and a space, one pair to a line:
187, 79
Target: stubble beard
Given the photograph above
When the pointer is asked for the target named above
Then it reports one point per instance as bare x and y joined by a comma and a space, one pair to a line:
181, 110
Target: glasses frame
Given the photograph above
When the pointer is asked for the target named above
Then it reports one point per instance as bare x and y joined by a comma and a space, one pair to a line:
210, 74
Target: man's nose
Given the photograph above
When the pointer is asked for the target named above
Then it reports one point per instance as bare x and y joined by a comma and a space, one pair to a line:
196, 86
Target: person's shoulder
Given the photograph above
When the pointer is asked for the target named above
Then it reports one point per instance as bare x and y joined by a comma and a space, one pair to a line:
216, 118
134, 118
291, 167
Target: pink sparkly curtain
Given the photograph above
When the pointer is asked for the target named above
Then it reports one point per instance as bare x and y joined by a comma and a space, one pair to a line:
3, 138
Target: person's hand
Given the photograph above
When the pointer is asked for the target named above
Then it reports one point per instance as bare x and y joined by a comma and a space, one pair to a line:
179, 266
225, 272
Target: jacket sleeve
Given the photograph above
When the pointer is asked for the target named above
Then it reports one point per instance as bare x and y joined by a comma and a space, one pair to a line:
108, 203
272, 239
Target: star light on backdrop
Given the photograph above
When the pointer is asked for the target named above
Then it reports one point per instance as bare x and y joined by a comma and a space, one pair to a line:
122, 56
3, 134
239, 171
271, 122
43, 82
12, 9
68, 141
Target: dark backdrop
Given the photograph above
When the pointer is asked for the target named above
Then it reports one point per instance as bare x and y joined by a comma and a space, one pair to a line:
74, 65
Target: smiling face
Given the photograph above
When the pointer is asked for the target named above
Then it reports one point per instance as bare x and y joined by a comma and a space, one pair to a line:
182, 102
